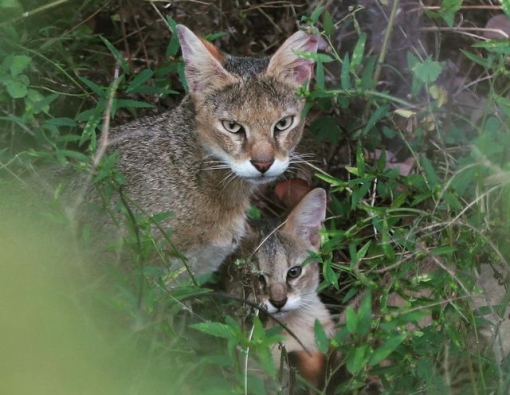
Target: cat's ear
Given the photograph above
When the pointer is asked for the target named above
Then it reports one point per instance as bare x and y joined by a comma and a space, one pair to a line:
305, 220
287, 64
203, 62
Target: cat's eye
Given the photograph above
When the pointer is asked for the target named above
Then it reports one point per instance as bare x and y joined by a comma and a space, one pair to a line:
294, 272
232, 126
262, 279
283, 124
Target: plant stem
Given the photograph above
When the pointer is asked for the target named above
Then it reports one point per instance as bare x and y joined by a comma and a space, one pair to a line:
26, 14
384, 48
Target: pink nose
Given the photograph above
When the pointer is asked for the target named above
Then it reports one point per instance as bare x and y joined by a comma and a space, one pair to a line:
262, 166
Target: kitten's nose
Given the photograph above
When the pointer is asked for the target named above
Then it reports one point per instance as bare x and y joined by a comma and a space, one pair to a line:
278, 303
262, 165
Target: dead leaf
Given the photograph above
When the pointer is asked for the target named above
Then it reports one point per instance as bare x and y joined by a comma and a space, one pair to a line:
292, 191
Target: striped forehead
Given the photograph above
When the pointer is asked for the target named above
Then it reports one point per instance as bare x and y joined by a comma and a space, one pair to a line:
276, 255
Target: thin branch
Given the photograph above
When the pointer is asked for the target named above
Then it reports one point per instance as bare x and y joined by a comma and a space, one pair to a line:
103, 142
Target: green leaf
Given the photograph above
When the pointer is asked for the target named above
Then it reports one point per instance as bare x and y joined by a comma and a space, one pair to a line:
60, 122
386, 241
100, 92
359, 193
448, 10
452, 201
363, 251
34, 95
140, 79
117, 55
253, 213
330, 276
463, 179
173, 45
214, 36
18, 64
328, 25
316, 57
159, 217
344, 76
377, 115
89, 131
430, 173
365, 314
74, 154
386, 349
352, 170
428, 70
319, 76
357, 358
359, 49
360, 160
367, 81
400, 200
351, 320
484, 62
321, 340
215, 329
505, 5
316, 14
443, 250
497, 46
44, 102
16, 89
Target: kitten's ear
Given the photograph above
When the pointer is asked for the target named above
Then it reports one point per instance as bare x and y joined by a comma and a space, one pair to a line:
305, 221
287, 64
203, 62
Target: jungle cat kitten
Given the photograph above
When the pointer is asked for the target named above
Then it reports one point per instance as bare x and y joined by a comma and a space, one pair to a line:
284, 280
237, 128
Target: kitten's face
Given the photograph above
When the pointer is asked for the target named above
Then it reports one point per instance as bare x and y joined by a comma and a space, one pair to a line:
248, 115
284, 282
285, 279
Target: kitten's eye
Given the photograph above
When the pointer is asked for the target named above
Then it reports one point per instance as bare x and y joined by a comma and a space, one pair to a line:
262, 279
283, 124
294, 272
232, 127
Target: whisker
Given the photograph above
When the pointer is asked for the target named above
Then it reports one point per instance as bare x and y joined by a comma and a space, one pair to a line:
301, 155
228, 179
216, 168
317, 169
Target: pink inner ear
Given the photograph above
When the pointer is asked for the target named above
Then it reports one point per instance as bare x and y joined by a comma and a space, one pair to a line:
315, 239
303, 70
201, 79
303, 67
311, 44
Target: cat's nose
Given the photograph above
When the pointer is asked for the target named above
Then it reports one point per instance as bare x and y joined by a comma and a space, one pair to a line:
278, 303
262, 165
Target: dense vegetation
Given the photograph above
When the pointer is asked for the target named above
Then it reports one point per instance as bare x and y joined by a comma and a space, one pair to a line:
409, 127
